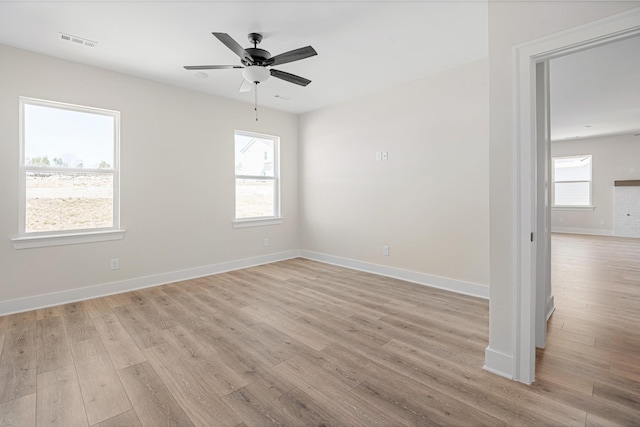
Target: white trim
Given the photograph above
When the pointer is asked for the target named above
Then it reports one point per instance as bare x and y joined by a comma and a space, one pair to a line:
498, 363
551, 306
43, 241
613, 28
60, 235
589, 231
89, 292
275, 178
242, 223
573, 208
453, 285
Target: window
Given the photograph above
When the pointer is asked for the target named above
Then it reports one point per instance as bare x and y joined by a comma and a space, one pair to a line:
572, 181
257, 177
69, 176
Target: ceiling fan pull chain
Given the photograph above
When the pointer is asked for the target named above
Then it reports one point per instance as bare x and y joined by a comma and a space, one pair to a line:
256, 101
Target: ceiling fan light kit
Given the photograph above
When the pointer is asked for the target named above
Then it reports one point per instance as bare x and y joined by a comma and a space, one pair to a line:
255, 74
255, 62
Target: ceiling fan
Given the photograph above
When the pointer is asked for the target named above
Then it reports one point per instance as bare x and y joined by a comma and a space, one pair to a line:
255, 61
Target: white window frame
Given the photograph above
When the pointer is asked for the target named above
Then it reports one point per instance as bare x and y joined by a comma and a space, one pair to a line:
588, 206
66, 237
262, 220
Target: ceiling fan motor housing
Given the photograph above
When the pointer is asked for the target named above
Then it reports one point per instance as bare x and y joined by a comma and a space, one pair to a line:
259, 56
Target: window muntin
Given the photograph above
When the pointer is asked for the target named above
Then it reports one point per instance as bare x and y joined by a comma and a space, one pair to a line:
257, 176
68, 168
572, 181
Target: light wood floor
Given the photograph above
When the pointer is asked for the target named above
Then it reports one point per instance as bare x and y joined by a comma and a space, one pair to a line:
301, 343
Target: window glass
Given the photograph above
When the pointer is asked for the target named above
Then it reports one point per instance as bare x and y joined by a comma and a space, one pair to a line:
572, 181
257, 180
69, 168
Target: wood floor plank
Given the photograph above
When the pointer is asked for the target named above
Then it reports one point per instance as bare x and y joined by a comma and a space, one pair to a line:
78, 323
19, 412
127, 419
253, 410
590, 405
18, 358
96, 307
565, 336
59, 402
152, 400
103, 394
118, 343
554, 375
204, 359
617, 395
143, 333
299, 342
288, 326
2, 335
55, 311
507, 401
596, 421
331, 392
624, 369
191, 387
416, 404
53, 350
145, 306
298, 408
116, 300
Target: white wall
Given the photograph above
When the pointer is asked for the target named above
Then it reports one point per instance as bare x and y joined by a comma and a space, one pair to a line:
428, 202
511, 24
614, 158
177, 179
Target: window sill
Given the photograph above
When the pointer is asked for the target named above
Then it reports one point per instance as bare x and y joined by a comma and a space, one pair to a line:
573, 208
42, 241
242, 223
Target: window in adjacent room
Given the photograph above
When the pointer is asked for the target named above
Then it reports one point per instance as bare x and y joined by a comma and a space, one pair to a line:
69, 176
572, 181
257, 177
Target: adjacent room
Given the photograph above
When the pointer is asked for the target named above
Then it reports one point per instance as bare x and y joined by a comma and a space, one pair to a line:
312, 213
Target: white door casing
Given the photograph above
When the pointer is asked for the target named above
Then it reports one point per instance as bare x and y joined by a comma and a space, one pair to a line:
527, 56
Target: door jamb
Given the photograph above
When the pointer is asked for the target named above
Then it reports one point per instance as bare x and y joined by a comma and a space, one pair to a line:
607, 30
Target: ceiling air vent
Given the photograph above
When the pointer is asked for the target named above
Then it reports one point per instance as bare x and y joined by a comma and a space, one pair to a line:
77, 40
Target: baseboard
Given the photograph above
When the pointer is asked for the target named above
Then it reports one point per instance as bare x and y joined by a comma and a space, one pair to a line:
588, 231
551, 307
498, 363
56, 298
459, 286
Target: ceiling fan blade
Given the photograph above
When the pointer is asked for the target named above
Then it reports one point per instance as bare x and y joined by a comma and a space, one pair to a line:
234, 46
246, 86
288, 77
292, 55
211, 67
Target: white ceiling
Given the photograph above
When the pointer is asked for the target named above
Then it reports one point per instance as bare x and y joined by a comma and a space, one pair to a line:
596, 92
362, 46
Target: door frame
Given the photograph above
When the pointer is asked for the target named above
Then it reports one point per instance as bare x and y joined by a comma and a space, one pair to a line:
525, 148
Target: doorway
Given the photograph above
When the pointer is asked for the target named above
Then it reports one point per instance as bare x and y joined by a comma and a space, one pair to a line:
533, 229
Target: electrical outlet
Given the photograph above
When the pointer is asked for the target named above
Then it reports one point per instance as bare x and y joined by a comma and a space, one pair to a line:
115, 263
385, 250
266, 242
